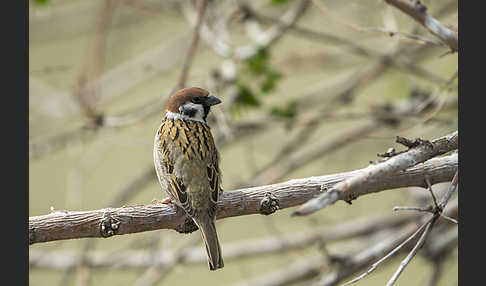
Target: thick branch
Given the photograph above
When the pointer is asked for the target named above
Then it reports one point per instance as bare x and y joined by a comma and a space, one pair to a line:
257, 200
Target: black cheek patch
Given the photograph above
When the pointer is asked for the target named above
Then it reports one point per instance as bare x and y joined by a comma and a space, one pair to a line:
189, 111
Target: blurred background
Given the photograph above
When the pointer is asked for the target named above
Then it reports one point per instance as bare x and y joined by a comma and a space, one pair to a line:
309, 88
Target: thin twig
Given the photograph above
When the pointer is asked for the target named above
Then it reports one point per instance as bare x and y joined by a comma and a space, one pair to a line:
450, 191
429, 188
423, 237
418, 12
357, 261
414, 251
427, 210
388, 255
419, 209
406, 35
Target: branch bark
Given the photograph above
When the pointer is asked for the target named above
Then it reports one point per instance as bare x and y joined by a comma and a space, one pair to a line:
267, 199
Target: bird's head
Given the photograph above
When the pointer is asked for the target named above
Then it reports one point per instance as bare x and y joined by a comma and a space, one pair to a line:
191, 103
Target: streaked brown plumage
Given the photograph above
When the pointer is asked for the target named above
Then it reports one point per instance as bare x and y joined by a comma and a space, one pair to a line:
186, 161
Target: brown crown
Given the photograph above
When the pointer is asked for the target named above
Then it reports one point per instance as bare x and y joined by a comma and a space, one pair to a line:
182, 96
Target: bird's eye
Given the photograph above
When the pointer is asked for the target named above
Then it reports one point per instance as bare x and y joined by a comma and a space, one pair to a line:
196, 100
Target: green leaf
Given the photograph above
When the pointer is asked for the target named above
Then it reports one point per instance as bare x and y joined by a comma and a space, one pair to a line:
288, 112
270, 81
279, 1
246, 96
41, 2
257, 64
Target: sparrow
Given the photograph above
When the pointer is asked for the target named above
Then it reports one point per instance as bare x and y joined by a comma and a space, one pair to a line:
187, 163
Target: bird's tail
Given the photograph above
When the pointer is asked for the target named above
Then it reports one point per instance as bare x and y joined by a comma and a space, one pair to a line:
210, 238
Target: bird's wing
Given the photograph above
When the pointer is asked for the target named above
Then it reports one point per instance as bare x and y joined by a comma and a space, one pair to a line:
214, 177
177, 189
205, 150
214, 174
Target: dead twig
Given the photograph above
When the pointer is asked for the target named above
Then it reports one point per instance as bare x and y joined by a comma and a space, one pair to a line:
427, 226
405, 35
437, 213
393, 244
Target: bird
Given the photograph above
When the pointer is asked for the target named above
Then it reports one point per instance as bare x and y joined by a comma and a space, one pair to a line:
187, 163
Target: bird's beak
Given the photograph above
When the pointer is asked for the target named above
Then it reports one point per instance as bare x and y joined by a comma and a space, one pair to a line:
211, 100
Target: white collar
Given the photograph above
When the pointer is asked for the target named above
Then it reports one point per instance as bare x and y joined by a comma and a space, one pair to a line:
172, 115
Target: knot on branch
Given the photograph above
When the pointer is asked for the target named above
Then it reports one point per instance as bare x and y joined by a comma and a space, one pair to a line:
109, 225
187, 227
95, 121
269, 204
419, 7
350, 197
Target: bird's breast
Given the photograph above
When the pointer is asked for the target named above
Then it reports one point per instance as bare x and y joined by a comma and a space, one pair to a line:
191, 139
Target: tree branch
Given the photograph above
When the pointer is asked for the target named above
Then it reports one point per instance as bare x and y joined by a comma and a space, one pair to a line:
267, 199
241, 249
418, 11
348, 190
